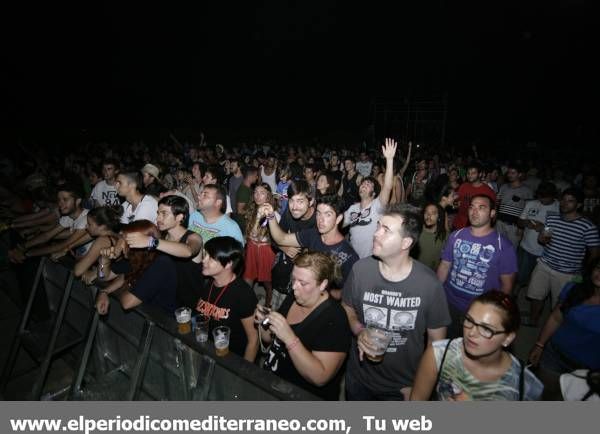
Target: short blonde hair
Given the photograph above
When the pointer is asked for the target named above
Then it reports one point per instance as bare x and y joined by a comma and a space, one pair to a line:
321, 264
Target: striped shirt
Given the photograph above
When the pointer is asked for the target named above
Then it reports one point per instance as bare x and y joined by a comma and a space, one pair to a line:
512, 201
566, 249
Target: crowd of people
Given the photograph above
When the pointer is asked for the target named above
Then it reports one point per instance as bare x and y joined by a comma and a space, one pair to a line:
429, 248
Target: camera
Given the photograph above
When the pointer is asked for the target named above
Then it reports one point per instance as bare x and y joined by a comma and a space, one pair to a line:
265, 311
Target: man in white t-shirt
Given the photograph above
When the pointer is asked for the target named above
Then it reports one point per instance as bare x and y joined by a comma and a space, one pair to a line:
137, 206
364, 165
362, 217
105, 191
69, 233
532, 221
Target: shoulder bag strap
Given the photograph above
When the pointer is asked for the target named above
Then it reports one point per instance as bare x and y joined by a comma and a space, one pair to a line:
439, 374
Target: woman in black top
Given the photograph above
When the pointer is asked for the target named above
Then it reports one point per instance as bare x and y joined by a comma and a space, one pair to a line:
225, 298
309, 335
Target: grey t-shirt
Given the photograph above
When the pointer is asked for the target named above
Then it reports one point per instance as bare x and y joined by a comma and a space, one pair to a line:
408, 308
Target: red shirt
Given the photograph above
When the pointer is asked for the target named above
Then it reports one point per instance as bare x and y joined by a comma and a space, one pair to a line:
465, 192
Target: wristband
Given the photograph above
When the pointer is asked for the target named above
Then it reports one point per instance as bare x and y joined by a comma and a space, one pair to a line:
539, 345
293, 344
153, 243
266, 219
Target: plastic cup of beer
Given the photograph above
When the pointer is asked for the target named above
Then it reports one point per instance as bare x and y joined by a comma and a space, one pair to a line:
201, 331
221, 339
183, 315
379, 339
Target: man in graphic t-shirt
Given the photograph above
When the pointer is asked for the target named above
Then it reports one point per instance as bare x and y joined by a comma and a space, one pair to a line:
105, 191
325, 238
395, 292
362, 217
475, 259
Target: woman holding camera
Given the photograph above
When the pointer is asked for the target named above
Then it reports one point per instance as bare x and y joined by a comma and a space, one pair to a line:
477, 367
309, 336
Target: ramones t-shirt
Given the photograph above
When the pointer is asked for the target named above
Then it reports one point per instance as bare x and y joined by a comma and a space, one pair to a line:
227, 306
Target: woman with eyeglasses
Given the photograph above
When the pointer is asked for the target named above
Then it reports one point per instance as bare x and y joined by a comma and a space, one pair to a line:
309, 336
477, 367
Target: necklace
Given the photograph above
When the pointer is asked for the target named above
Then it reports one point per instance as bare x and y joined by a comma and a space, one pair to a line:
220, 293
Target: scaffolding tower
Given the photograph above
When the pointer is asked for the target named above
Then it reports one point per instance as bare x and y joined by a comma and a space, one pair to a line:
416, 119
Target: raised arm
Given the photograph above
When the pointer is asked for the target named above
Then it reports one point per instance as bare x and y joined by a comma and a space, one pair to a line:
91, 257
403, 169
280, 237
389, 151
58, 247
189, 249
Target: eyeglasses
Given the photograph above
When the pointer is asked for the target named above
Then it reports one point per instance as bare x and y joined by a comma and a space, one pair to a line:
483, 330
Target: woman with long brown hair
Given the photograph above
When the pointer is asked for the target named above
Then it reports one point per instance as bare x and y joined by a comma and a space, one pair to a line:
146, 277
259, 256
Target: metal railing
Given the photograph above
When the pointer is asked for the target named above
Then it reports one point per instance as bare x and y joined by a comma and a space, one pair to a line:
128, 355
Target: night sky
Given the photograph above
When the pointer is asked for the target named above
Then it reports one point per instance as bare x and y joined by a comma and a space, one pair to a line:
512, 71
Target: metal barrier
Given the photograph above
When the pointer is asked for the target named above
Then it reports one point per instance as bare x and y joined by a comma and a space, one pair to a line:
133, 355
70, 304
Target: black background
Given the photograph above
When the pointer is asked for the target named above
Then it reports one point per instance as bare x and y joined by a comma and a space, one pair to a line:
513, 71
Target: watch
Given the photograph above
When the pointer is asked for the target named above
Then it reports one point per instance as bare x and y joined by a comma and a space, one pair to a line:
153, 243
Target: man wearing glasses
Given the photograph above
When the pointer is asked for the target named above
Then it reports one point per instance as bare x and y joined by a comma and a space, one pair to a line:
362, 217
475, 259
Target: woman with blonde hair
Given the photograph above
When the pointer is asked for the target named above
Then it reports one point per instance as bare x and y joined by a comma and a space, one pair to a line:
309, 336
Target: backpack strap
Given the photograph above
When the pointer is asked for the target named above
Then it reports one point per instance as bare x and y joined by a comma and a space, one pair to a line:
439, 374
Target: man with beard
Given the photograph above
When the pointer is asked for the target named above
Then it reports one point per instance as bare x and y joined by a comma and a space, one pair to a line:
299, 215
566, 238
69, 232
475, 260
326, 237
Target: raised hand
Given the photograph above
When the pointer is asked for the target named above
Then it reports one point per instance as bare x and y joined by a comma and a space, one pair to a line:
265, 210
389, 149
